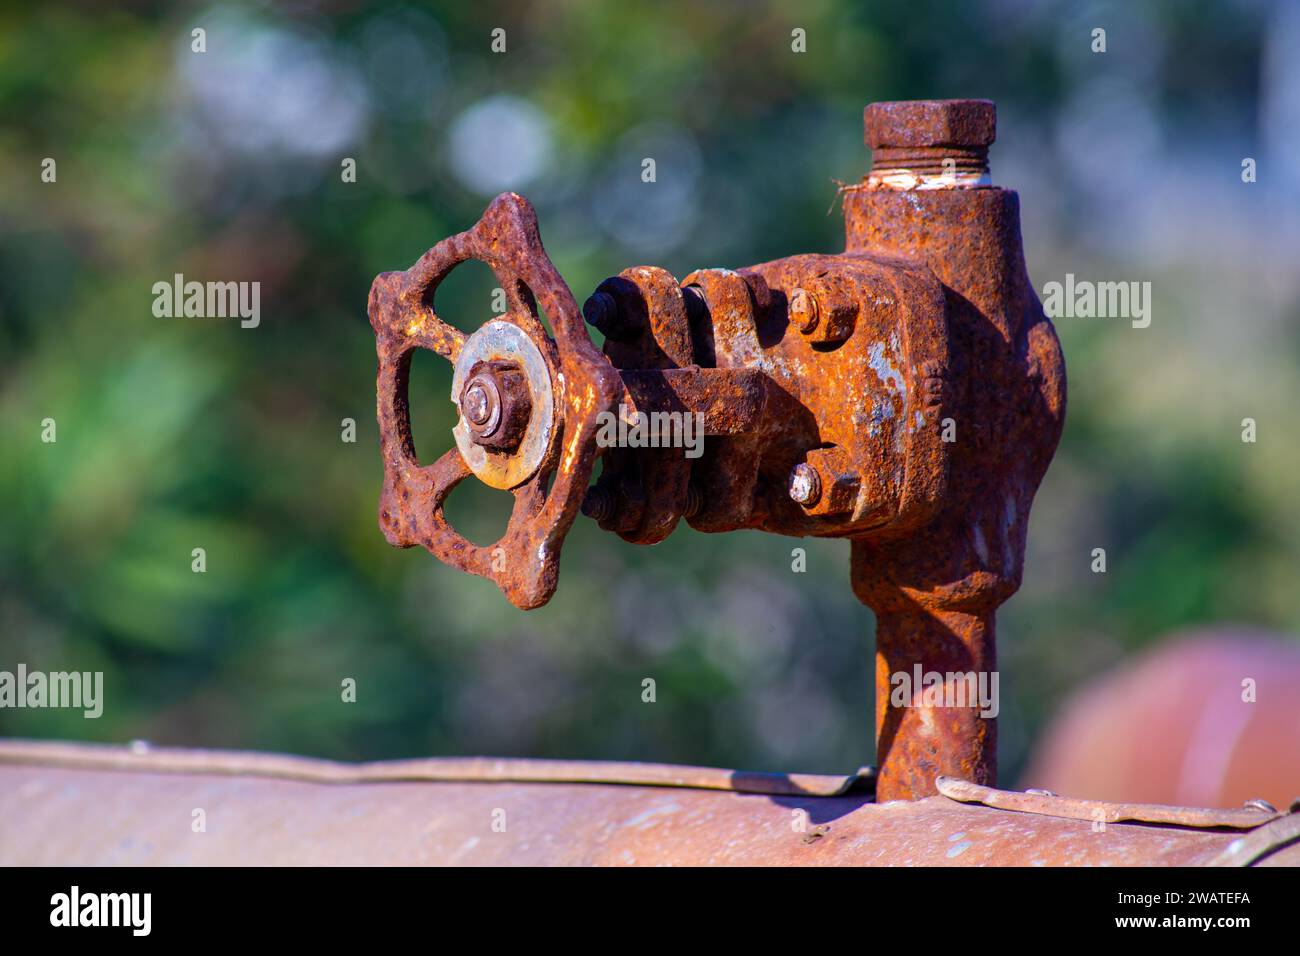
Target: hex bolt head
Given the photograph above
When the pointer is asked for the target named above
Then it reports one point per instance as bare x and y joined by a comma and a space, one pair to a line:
924, 124
496, 404
805, 485
804, 310
476, 403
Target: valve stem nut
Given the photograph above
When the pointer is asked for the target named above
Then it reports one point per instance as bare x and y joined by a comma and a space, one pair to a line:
496, 404
805, 485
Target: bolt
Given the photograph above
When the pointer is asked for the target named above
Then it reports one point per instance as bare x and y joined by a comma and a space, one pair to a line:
804, 310
599, 310
602, 311
805, 485
476, 404
496, 404
480, 401
941, 142
599, 503
925, 124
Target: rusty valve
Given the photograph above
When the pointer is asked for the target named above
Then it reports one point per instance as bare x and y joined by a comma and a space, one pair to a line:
529, 404
906, 394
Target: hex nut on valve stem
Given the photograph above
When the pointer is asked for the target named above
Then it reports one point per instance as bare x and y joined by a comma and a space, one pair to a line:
495, 404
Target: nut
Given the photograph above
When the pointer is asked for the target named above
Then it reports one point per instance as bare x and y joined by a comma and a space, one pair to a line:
838, 481
964, 124
603, 312
496, 404
804, 310
805, 485
825, 314
599, 503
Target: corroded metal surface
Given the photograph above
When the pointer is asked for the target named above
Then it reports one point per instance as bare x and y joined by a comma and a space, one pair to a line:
69, 808
1276, 843
579, 383
930, 144
907, 394
143, 758
935, 589
1054, 805
648, 486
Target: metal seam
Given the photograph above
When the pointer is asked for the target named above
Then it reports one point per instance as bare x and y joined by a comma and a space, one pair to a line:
149, 759
963, 791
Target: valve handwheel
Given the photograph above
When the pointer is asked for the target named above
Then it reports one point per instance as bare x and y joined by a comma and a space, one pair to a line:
528, 404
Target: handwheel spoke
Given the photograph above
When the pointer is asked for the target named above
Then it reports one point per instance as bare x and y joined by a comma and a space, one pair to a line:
445, 474
423, 326
521, 302
531, 324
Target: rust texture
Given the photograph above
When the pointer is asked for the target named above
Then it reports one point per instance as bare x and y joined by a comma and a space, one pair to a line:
101, 805
1254, 814
144, 758
935, 590
575, 381
906, 394
930, 138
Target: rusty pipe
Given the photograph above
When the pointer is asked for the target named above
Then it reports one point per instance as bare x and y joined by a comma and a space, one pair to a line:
944, 728
935, 591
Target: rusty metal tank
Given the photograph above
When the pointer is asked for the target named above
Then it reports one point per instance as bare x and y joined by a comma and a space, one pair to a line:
81, 804
1219, 711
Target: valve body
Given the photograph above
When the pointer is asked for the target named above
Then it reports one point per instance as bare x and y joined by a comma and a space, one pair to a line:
907, 394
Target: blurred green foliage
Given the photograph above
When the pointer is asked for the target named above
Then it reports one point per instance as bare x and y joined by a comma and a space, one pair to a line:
174, 434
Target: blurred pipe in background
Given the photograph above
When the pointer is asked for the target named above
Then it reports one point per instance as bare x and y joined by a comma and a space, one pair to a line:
1179, 726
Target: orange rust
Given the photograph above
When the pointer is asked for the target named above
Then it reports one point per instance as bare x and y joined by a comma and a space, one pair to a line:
912, 380
79, 805
525, 562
